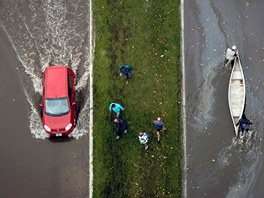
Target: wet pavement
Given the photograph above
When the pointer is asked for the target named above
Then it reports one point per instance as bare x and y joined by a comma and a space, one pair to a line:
218, 165
33, 35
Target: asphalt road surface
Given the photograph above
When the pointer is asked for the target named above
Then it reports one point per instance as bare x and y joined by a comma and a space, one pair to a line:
34, 35
219, 165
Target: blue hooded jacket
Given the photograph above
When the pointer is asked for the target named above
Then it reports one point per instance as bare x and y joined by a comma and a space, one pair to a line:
125, 69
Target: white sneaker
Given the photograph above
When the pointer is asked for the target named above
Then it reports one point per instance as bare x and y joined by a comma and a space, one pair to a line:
125, 131
117, 137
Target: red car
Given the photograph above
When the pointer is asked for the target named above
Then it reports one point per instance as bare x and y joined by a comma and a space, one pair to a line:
58, 101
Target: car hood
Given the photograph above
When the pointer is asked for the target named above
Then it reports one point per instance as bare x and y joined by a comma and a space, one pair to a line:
56, 122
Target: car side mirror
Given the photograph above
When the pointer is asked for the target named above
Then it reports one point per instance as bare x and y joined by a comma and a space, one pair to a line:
74, 103
41, 105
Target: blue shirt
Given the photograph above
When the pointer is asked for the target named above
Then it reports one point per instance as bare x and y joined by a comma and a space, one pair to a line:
117, 107
158, 124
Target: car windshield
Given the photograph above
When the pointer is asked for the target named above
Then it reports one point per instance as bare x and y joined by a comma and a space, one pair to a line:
57, 106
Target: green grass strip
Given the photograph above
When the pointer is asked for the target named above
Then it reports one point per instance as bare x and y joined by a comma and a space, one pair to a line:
146, 35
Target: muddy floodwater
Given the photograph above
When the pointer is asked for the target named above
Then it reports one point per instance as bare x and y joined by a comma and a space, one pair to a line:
219, 165
33, 36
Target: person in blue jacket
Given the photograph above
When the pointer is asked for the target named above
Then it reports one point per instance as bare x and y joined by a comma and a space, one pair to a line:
117, 108
244, 124
143, 139
126, 70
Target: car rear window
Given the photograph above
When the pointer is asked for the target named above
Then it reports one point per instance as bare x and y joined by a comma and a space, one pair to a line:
57, 106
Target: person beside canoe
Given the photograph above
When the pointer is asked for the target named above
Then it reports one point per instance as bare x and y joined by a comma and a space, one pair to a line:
244, 124
231, 55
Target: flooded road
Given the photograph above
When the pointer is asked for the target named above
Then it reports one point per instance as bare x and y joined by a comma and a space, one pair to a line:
218, 165
34, 35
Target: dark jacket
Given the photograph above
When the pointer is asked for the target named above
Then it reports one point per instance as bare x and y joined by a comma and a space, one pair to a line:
121, 125
125, 69
244, 123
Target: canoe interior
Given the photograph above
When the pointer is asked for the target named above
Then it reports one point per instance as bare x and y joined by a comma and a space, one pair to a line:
236, 93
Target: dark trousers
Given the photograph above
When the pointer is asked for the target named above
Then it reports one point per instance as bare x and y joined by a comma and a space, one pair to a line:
241, 130
231, 62
120, 128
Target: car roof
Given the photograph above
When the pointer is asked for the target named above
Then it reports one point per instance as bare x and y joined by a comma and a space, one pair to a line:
56, 82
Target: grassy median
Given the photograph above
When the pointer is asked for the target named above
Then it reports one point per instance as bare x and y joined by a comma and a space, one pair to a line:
146, 35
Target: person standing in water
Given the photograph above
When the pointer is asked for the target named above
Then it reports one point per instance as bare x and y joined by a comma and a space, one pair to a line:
244, 125
230, 56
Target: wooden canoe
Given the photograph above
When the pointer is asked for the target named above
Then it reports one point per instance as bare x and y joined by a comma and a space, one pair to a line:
236, 93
